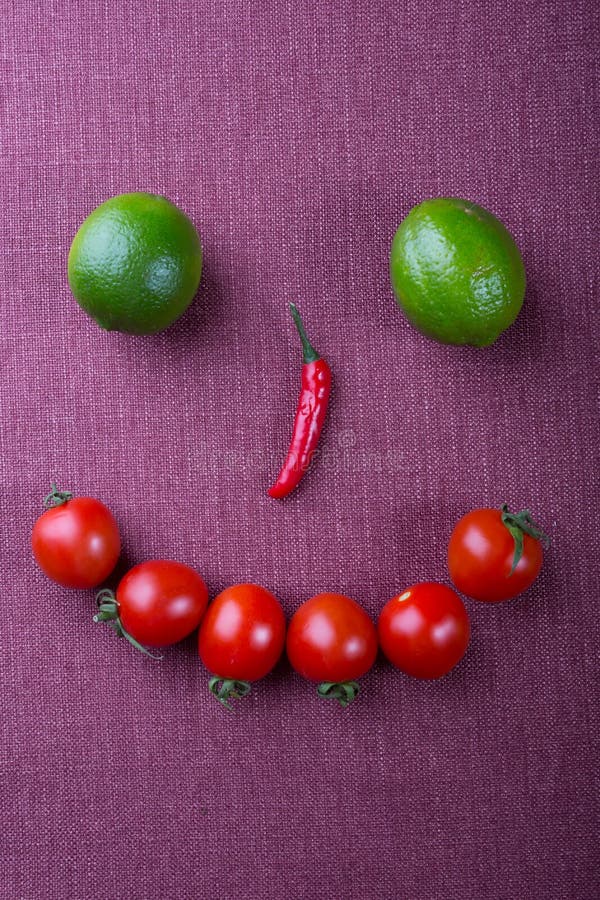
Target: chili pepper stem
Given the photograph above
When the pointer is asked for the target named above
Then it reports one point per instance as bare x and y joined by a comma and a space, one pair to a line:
309, 352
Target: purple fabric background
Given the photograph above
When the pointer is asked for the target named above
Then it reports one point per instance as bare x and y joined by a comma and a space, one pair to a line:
297, 135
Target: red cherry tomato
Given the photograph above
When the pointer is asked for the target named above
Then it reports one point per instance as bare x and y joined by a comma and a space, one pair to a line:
424, 631
160, 602
241, 638
243, 633
331, 639
76, 541
483, 550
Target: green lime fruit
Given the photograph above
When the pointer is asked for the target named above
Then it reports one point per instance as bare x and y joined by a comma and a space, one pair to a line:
135, 263
457, 272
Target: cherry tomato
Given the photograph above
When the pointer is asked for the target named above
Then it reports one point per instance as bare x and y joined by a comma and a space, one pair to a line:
494, 555
76, 541
331, 639
424, 631
160, 602
241, 638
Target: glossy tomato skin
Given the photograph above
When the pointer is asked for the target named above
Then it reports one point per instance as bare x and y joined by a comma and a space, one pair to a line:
161, 602
480, 557
242, 635
424, 631
331, 638
77, 543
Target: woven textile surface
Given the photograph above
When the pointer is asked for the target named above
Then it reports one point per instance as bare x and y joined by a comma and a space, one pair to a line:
297, 135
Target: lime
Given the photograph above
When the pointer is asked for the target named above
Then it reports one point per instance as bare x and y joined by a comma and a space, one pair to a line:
135, 263
457, 272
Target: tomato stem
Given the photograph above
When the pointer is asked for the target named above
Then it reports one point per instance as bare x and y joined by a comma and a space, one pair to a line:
108, 611
342, 691
225, 689
519, 524
56, 497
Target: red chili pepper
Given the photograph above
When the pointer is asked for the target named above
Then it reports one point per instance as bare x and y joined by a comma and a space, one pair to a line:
310, 415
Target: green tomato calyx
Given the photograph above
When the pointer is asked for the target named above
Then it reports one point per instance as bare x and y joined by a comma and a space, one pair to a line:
342, 691
519, 524
56, 497
108, 611
225, 689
